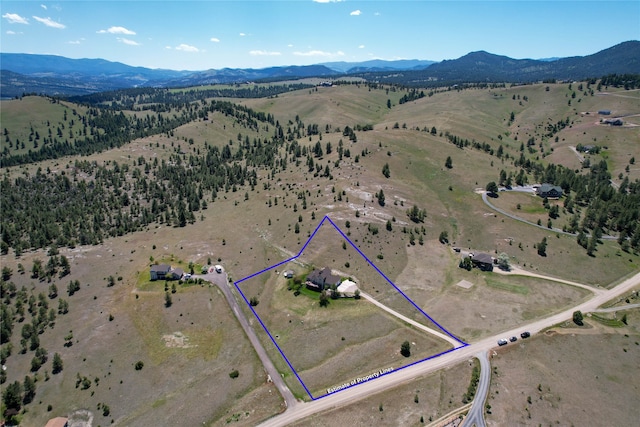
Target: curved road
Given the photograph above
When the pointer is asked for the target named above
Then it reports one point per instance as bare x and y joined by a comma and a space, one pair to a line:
222, 281
475, 416
517, 218
410, 373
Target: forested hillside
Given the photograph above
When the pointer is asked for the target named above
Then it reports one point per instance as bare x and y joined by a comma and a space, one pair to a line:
90, 202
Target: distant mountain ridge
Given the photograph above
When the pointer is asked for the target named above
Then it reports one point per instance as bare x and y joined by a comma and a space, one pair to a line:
57, 75
482, 66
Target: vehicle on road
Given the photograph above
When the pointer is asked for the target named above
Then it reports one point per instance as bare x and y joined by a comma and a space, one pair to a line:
525, 334
502, 342
218, 269
513, 339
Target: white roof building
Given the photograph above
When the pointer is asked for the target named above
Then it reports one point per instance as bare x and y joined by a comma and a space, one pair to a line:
347, 288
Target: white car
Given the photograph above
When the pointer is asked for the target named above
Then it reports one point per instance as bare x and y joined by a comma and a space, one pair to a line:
502, 342
218, 269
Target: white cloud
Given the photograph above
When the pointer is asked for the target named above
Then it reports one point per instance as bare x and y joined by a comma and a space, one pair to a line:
356, 12
44, 6
376, 14
187, 48
264, 53
12, 33
318, 53
289, 45
215, 39
50, 22
14, 18
117, 30
74, 42
128, 41
327, 1
361, 46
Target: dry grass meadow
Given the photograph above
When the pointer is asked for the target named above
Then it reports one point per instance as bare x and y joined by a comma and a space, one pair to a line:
190, 384
568, 377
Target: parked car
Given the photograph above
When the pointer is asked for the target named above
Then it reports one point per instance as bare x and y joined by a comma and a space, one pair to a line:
513, 339
525, 334
502, 342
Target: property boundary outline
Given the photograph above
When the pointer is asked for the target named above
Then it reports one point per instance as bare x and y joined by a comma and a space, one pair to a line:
299, 254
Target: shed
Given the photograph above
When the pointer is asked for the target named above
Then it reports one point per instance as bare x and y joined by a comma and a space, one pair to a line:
288, 274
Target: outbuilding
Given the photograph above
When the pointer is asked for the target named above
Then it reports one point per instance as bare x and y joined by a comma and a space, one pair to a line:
347, 288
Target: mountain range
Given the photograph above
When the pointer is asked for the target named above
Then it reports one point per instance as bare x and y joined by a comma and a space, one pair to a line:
57, 75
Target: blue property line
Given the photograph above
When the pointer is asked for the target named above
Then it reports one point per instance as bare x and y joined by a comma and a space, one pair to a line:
272, 339
286, 260
390, 282
395, 370
326, 218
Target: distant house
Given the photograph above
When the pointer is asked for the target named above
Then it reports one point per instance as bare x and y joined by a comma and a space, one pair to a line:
483, 261
319, 280
549, 191
613, 122
159, 271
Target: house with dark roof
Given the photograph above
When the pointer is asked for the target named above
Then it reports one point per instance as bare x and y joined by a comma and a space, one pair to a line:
159, 271
483, 261
176, 274
319, 280
549, 191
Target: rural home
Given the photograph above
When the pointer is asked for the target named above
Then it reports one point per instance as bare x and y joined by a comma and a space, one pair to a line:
483, 261
319, 280
549, 191
159, 271
165, 272
613, 122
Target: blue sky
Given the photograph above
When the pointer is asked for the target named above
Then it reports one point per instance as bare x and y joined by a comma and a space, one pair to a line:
198, 35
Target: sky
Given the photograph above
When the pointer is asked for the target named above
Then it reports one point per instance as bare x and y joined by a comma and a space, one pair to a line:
213, 34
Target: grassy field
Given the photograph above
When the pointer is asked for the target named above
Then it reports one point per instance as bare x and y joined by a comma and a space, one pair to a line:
423, 400
249, 233
548, 379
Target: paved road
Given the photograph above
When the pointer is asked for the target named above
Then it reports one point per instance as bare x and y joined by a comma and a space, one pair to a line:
453, 341
222, 281
475, 416
408, 374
